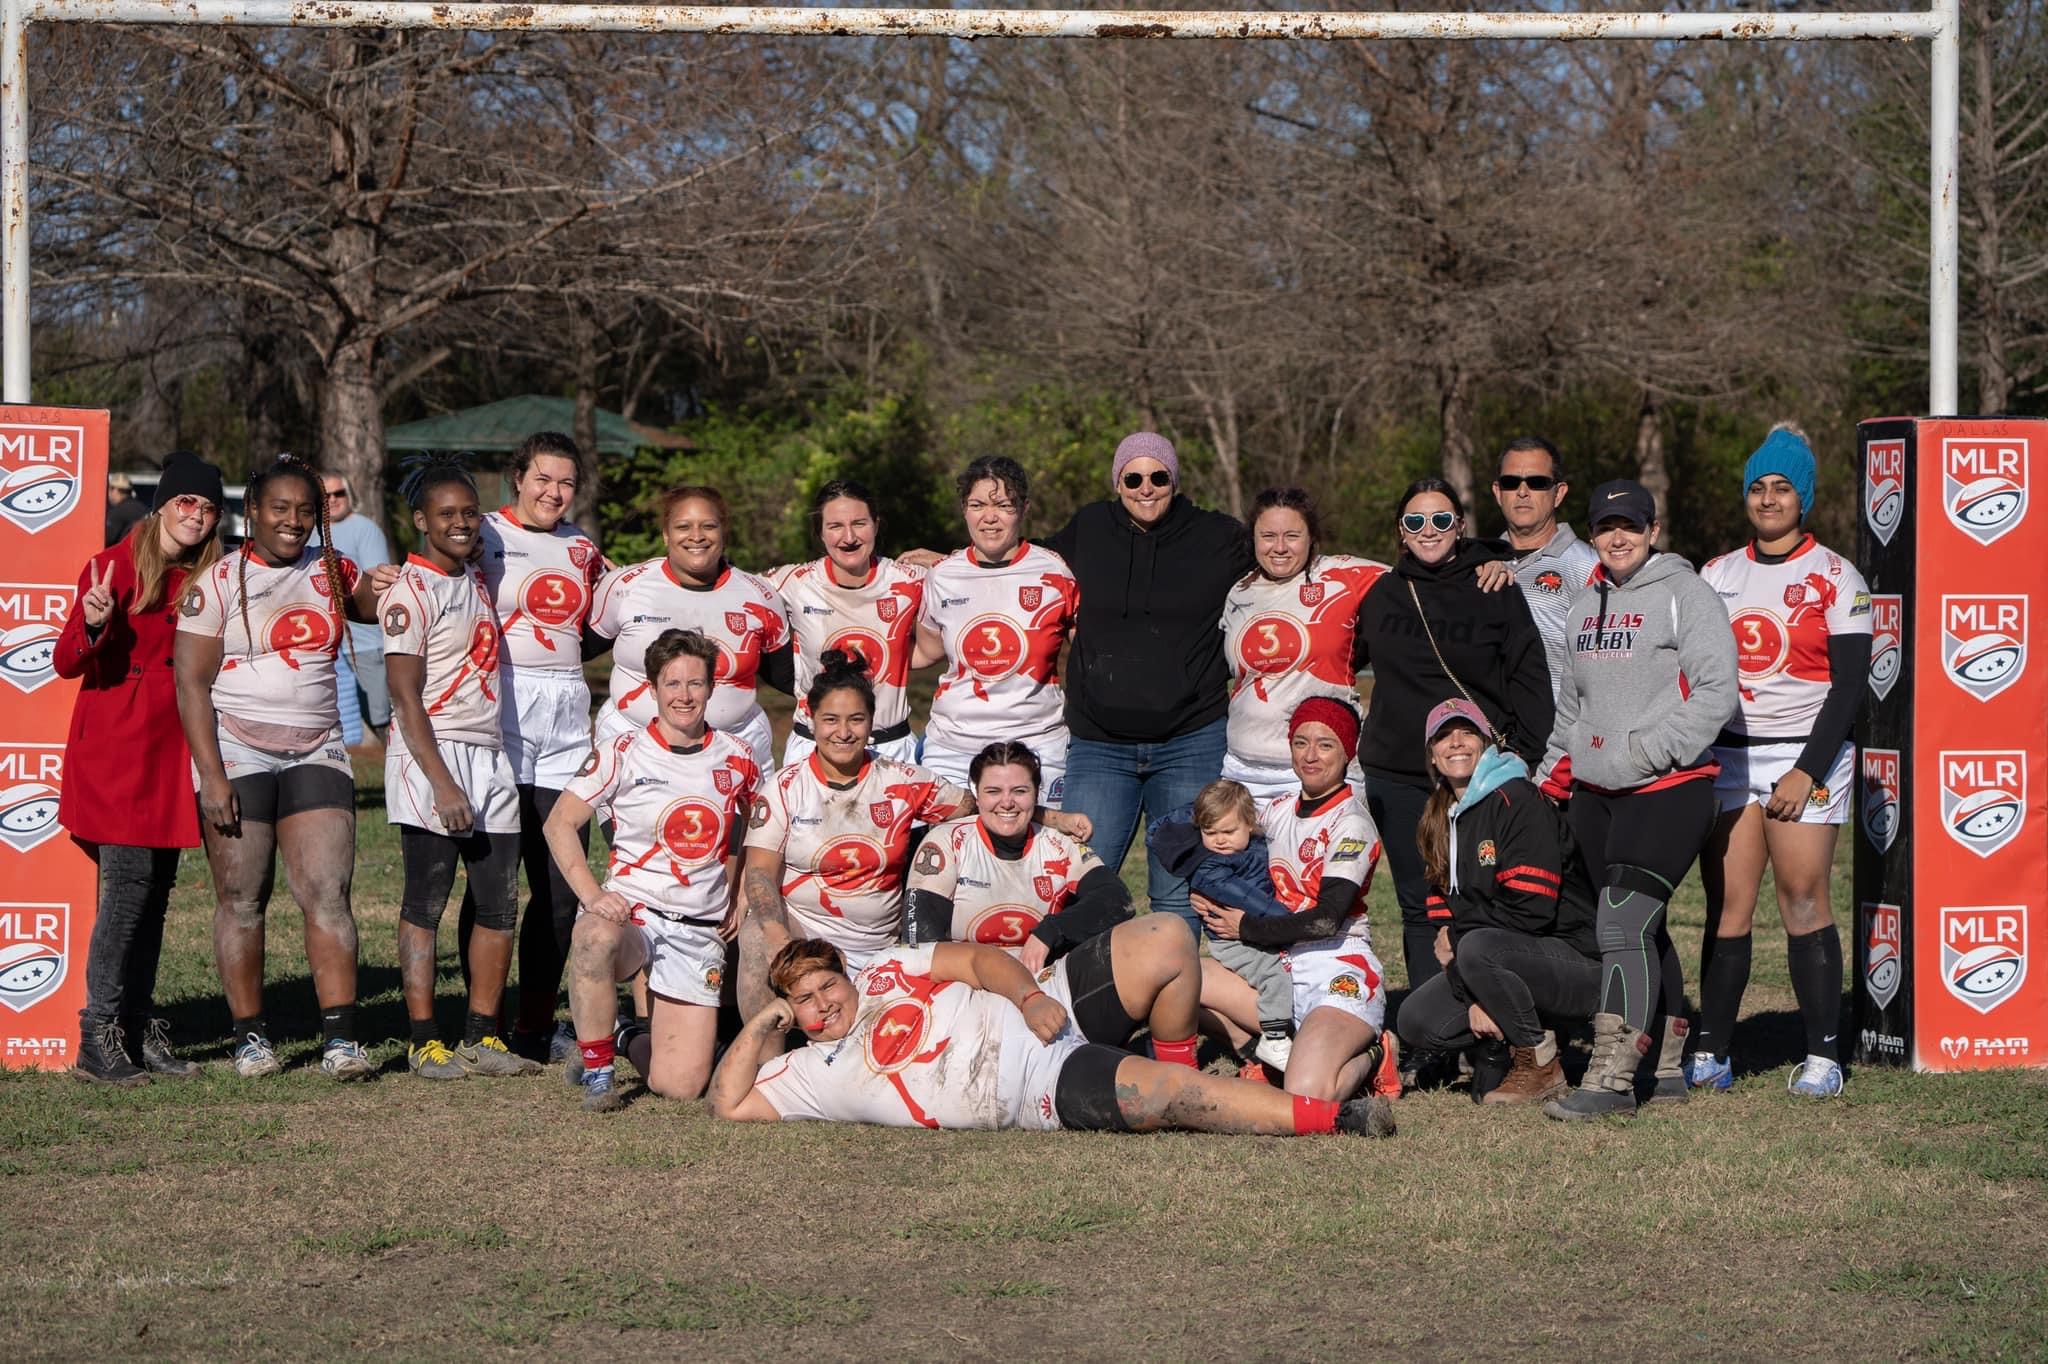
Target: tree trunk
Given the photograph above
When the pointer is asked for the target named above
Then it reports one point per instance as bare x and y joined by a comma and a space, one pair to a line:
352, 426
1220, 414
1995, 379
583, 509
1652, 470
1454, 408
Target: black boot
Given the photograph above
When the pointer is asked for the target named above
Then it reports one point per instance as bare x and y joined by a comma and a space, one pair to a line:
103, 1056
158, 1057
1491, 1062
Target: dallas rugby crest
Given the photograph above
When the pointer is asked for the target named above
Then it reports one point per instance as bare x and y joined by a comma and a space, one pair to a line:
1881, 797
1983, 798
1984, 953
1884, 487
1983, 642
1984, 484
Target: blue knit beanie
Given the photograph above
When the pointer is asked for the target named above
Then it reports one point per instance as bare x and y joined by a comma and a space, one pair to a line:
1786, 454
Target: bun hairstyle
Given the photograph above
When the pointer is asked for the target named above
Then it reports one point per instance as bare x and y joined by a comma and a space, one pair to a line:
422, 476
840, 670
1005, 753
291, 467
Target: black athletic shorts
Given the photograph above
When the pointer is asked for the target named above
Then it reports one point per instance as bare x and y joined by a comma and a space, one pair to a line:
1091, 981
1085, 1094
267, 797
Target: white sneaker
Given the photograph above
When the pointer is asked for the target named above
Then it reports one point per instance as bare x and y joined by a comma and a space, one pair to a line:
1816, 1078
1274, 1049
256, 1058
345, 1060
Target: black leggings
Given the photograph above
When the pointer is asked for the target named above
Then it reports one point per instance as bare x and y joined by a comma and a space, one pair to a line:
550, 909
1638, 846
493, 863
1524, 983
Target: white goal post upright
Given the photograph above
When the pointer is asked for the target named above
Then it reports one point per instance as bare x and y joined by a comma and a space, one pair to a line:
1940, 24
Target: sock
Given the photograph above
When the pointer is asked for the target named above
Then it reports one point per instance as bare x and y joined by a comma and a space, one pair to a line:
1181, 1053
476, 1027
1314, 1115
245, 1026
1723, 977
1815, 963
423, 1031
596, 1055
338, 1024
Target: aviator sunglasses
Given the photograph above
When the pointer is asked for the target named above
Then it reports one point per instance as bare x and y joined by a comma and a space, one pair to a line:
1159, 478
1413, 522
1536, 483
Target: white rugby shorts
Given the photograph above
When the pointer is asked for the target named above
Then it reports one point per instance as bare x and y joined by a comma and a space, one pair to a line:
685, 962
545, 719
1748, 776
1338, 973
483, 774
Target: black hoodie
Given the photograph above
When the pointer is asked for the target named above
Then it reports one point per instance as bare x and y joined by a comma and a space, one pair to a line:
1488, 639
1147, 662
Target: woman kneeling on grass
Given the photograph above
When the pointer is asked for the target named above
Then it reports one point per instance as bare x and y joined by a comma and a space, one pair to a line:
677, 792
959, 1035
1519, 953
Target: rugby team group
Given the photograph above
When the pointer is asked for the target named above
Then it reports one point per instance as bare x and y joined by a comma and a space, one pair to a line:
930, 928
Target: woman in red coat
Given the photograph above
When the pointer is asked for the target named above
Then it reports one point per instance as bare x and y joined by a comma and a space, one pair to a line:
127, 772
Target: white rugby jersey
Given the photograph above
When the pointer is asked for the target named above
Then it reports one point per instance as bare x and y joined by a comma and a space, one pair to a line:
922, 1053
739, 613
446, 619
997, 901
1782, 615
843, 852
877, 620
280, 670
1003, 627
1338, 840
1286, 642
541, 582
676, 814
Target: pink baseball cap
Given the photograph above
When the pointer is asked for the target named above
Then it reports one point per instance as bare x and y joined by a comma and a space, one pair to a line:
1457, 708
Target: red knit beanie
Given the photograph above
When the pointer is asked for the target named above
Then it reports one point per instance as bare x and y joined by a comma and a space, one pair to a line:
1323, 710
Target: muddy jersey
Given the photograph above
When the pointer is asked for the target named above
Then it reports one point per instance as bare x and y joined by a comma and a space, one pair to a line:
739, 613
997, 901
280, 668
1783, 615
876, 619
1002, 627
1338, 840
921, 1053
1288, 641
843, 852
446, 619
676, 815
541, 582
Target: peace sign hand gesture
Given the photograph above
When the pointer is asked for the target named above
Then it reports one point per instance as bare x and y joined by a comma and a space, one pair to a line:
98, 601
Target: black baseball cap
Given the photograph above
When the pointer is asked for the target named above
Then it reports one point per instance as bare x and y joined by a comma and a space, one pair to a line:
1621, 499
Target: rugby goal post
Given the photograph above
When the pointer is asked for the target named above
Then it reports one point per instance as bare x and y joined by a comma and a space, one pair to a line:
1940, 24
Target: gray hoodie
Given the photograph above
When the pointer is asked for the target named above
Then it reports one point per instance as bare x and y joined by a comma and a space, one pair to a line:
1651, 681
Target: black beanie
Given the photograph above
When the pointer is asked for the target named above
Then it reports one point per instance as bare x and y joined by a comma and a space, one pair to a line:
186, 473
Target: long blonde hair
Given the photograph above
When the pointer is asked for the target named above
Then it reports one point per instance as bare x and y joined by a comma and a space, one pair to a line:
153, 566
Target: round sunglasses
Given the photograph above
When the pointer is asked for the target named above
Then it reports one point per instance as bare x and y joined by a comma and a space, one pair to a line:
1159, 479
1413, 522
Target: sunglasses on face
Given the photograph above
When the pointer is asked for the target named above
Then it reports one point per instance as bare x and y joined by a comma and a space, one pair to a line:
1535, 483
188, 505
1413, 522
337, 495
1159, 479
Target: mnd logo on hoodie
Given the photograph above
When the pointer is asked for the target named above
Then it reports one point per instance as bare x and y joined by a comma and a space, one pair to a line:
1613, 633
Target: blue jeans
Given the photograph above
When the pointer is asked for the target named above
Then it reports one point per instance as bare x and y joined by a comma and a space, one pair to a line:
1112, 783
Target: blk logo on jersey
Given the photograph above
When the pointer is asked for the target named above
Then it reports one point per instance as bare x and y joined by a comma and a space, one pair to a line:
1881, 797
35, 942
1984, 798
39, 473
1983, 642
1887, 642
1984, 484
1883, 953
1984, 953
1884, 487
31, 618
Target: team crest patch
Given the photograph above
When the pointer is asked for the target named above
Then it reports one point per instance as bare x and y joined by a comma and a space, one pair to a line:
885, 610
1030, 597
736, 622
714, 977
1820, 795
1884, 487
883, 813
1984, 953
725, 779
1311, 594
1795, 593
1488, 854
1551, 581
1043, 885
320, 582
589, 764
1984, 798
1984, 484
1348, 986
930, 860
397, 619
1308, 850
757, 817
194, 602
582, 554
1983, 642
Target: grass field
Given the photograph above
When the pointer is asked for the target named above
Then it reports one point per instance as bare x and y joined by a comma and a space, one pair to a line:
291, 1217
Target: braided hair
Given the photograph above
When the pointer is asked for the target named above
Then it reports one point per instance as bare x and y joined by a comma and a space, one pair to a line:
425, 473
293, 467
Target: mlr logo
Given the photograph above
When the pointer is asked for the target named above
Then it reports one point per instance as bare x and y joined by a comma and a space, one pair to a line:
1984, 953
39, 473
31, 618
1984, 484
31, 784
1983, 798
1887, 642
1883, 960
34, 952
1881, 797
1884, 487
1983, 642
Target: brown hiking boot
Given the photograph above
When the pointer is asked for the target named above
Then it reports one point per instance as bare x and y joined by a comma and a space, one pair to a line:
1532, 1077
1609, 1087
1669, 1082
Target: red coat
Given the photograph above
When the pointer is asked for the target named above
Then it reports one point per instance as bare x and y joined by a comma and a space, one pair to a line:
127, 770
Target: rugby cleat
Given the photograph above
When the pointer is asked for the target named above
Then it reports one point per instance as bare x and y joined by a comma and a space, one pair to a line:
255, 1057
1816, 1078
1709, 1072
343, 1059
433, 1061
1384, 1075
1371, 1115
601, 1092
492, 1057
562, 1046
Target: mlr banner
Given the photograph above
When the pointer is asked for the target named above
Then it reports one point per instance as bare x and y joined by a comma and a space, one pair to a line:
53, 493
1952, 842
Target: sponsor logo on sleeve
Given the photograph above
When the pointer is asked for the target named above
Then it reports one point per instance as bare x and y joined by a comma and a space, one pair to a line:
39, 473
1983, 641
1883, 953
1884, 487
1983, 797
1881, 797
1984, 953
1984, 484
